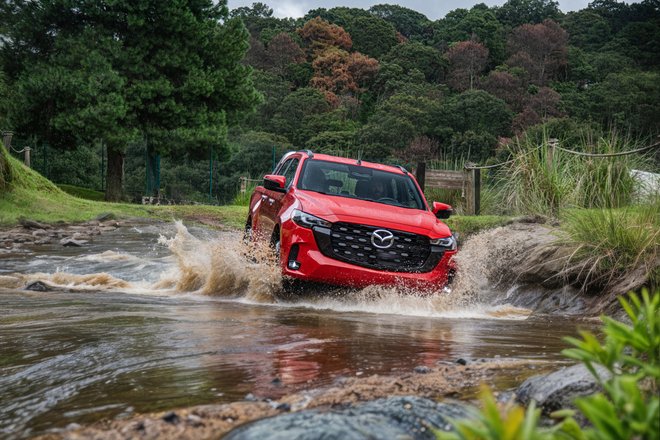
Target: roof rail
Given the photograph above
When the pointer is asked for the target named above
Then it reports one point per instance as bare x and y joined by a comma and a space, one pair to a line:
405, 171
310, 154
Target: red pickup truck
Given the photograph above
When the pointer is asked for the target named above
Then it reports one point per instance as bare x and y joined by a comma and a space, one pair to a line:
348, 222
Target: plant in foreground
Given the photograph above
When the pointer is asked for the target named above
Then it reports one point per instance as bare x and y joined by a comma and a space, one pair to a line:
628, 407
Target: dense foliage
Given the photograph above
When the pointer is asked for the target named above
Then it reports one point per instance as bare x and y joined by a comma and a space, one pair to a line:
357, 82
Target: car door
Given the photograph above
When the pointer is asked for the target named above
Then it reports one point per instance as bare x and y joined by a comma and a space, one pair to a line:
271, 201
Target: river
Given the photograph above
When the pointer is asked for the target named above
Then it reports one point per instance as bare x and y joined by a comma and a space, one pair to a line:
157, 317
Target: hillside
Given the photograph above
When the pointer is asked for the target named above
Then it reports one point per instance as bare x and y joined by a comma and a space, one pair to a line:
26, 193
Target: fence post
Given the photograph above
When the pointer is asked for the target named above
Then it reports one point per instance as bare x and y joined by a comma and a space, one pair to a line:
420, 174
476, 181
552, 145
6, 138
473, 189
243, 185
27, 156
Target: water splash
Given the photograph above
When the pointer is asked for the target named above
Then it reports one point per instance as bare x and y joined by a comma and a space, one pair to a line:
224, 266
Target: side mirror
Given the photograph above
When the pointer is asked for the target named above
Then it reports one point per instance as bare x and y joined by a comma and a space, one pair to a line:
442, 210
275, 182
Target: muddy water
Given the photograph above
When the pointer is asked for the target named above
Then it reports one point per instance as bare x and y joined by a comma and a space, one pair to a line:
151, 318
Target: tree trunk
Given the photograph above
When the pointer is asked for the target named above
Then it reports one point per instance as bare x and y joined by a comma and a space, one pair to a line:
115, 175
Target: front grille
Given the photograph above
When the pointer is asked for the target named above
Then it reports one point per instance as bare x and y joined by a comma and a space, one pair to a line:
352, 243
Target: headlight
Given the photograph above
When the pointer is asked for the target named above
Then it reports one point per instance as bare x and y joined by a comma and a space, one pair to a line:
447, 242
308, 220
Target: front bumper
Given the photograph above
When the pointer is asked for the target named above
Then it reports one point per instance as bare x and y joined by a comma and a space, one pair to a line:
316, 267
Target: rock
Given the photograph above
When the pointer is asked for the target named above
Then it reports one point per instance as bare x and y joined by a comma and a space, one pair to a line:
105, 216
422, 369
31, 224
70, 242
461, 361
395, 417
559, 389
284, 407
38, 286
171, 417
39, 232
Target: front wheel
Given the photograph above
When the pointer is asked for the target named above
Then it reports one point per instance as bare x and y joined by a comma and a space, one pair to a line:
247, 232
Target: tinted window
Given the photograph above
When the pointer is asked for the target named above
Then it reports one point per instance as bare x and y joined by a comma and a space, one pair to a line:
289, 170
360, 182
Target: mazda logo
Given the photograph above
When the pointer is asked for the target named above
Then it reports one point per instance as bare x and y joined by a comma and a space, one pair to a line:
382, 239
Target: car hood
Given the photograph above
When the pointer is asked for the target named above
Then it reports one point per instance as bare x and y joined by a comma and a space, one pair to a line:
345, 209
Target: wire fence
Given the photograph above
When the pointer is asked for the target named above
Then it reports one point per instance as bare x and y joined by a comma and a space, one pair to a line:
554, 144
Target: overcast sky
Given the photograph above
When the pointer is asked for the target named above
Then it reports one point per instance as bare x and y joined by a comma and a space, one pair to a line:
432, 9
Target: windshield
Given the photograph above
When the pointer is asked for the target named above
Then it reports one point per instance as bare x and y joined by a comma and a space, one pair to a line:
358, 182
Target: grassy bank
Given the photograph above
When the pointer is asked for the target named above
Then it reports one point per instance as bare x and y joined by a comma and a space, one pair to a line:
25, 193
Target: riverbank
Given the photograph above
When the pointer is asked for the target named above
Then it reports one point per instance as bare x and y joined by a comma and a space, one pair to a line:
445, 381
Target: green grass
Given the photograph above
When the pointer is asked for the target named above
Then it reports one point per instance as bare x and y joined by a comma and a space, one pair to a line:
541, 180
608, 243
467, 225
25, 193
82, 193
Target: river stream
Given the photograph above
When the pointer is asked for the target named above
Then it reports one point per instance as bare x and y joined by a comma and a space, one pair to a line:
157, 317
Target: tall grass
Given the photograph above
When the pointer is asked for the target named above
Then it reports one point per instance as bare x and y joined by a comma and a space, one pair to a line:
243, 199
5, 170
608, 243
542, 179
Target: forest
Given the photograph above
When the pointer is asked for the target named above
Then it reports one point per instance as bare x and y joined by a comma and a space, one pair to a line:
181, 99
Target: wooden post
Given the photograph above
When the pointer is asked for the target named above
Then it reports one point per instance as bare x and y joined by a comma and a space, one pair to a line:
469, 191
243, 185
6, 138
552, 144
27, 156
420, 174
473, 190
476, 181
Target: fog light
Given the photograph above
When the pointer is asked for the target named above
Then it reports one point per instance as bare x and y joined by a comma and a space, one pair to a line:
294, 265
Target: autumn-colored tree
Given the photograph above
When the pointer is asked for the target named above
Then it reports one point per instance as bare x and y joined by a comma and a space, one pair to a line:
421, 148
507, 86
318, 35
337, 72
467, 59
539, 48
282, 51
546, 103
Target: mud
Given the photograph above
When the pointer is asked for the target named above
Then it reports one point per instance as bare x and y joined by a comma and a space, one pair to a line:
445, 381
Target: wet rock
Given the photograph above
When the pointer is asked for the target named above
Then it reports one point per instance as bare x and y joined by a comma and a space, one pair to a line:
31, 224
461, 361
559, 389
71, 242
39, 232
396, 417
105, 216
422, 369
171, 417
284, 407
38, 286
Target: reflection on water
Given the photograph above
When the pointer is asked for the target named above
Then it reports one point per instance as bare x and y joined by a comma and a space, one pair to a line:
136, 341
